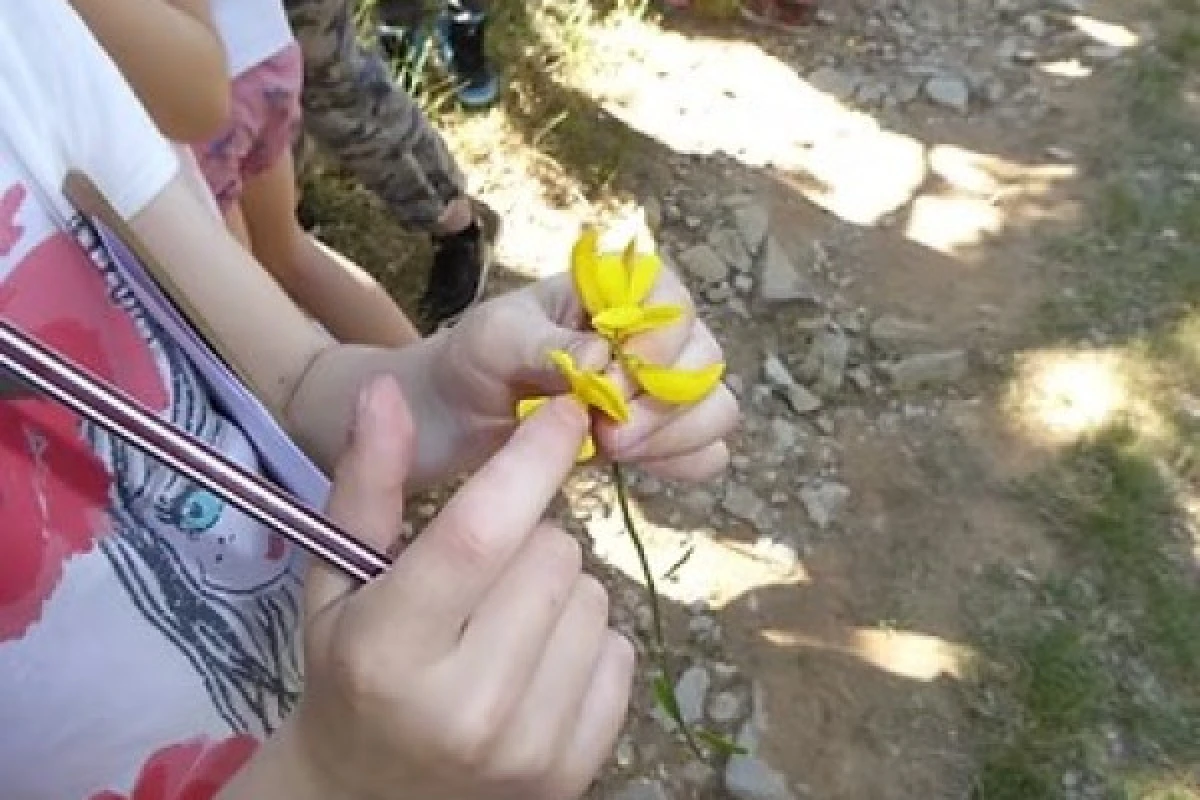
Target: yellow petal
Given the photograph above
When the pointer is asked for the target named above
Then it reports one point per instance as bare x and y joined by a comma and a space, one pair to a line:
620, 323
587, 451
591, 388
528, 405
642, 270
584, 270
599, 392
680, 387
611, 281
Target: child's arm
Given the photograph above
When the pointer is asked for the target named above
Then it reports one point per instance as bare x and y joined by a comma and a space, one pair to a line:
170, 53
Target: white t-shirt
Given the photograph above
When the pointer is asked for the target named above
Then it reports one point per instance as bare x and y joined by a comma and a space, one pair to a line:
252, 31
147, 633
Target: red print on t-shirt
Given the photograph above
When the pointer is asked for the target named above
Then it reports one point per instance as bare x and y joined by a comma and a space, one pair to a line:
53, 489
10, 229
194, 770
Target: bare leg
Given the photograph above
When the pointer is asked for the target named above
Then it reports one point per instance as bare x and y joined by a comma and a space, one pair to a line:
341, 295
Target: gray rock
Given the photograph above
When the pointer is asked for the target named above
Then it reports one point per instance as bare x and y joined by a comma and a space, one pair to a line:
826, 16
928, 369
871, 94
653, 212
949, 91
741, 502
801, 400
743, 282
892, 334
1101, 52
729, 246
749, 778
781, 279
906, 91
833, 82
703, 263
1034, 25
784, 436
752, 221
725, 707
776, 371
1069, 6
697, 773
691, 692
642, 789
823, 503
826, 361
699, 502
718, 292
623, 754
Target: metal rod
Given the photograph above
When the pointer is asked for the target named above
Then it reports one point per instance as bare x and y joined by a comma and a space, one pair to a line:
124, 417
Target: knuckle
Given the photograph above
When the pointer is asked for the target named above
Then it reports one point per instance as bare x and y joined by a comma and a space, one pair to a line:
562, 551
470, 544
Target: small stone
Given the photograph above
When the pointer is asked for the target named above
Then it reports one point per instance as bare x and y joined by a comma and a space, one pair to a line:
893, 334
776, 371
698, 502
725, 707
826, 361
752, 220
749, 778
704, 630
861, 378
741, 502
801, 400
1057, 153
703, 263
736, 384
1069, 6
652, 212
1101, 52
648, 484
834, 82
928, 369
624, 753
718, 293
743, 282
725, 672
732, 250
692, 222
825, 16
642, 789
1034, 25
1026, 57
780, 498
697, 773
691, 692
906, 91
823, 503
871, 94
949, 91
781, 280
740, 462
825, 425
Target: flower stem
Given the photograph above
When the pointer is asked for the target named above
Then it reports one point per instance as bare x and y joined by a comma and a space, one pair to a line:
670, 702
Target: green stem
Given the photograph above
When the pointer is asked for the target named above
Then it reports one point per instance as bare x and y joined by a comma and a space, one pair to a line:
660, 640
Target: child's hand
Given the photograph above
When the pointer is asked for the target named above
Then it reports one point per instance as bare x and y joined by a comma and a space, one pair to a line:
481, 667
499, 352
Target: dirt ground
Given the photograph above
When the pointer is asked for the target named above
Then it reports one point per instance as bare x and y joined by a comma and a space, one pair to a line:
845, 645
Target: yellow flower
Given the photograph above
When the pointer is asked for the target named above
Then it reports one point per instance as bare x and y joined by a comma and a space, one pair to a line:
679, 387
531, 404
614, 286
591, 388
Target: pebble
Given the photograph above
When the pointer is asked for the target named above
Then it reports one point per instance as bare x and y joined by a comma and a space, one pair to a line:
780, 280
826, 361
691, 692
697, 773
698, 502
749, 778
642, 789
776, 371
729, 246
704, 630
823, 503
752, 220
623, 754
718, 293
928, 369
949, 91
741, 502
1034, 25
743, 282
1101, 52
702, 262
725, 707
834, 82
893, 334
725, 672
801, 400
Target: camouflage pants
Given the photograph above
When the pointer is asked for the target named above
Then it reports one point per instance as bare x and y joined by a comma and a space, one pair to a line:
375, 130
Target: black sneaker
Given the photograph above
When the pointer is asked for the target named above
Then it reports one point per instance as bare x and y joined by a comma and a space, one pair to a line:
461, 45
458, 275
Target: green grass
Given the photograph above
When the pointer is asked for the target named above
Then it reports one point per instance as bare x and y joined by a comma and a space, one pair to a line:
1095, 671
